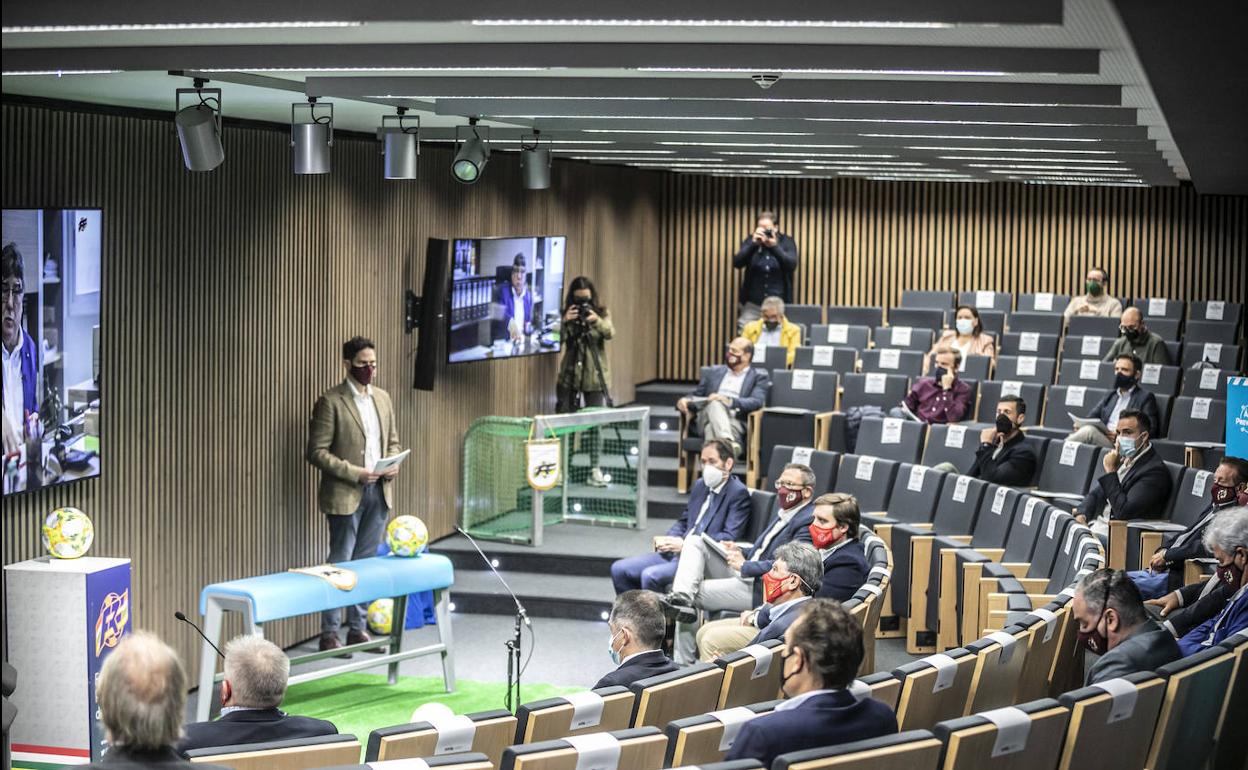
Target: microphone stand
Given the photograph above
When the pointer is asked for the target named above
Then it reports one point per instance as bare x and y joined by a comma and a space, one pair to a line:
513, 644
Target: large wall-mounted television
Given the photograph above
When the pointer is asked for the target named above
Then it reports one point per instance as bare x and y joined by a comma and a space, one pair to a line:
505, 297
51, 344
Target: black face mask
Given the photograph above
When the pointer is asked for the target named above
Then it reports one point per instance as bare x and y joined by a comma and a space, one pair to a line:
1130, 333
939, 373
771, 325
784, 678
1124, 381
1004, 424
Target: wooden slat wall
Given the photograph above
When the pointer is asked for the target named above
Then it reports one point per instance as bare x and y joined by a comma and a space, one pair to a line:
863, 242
226, 298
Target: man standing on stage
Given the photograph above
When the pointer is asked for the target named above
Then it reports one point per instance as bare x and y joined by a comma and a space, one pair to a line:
352, 428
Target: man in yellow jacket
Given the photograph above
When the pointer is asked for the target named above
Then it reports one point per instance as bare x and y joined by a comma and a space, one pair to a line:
773, 329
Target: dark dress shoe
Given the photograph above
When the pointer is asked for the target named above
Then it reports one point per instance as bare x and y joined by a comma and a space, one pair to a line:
358, 637
331, 642
679, 608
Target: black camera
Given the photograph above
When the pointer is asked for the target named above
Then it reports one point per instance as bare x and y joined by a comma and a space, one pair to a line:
583, 308
770, 232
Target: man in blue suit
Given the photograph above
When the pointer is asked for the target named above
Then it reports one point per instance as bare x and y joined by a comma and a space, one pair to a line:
719, 505
1127, 395
726, 395
822, 652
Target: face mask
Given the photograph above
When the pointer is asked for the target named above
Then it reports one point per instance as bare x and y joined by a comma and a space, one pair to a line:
1004, 424
823, 538
789, 497
939, 373
1093, 287
1230, 574
1124, 381
712, 476
615, 654
771, 325
732, 359
1222, 494
1094, 640
1127, 446
363, 374
784, 678
1131, 333
965, 325
773, 587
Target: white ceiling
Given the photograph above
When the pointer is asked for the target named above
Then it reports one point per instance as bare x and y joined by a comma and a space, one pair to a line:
869, 134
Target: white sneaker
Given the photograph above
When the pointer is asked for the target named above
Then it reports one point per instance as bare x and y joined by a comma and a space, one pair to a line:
598, 479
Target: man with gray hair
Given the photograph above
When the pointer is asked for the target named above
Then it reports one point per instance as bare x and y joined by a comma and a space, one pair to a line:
142, 696
1227, 538
1113, 624
637, 627
256, 671
774, 330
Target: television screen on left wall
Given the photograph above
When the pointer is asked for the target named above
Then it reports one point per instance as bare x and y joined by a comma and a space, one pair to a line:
52, 276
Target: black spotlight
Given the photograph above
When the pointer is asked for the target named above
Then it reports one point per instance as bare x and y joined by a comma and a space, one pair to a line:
199, 127
534, 162
472, 154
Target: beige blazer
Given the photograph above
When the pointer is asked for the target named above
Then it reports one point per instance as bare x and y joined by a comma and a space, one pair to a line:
336, 447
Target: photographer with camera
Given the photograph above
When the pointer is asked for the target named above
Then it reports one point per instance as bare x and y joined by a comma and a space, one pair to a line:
770, 259
584, 377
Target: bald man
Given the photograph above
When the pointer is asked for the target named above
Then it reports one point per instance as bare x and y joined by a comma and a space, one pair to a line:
1134, 339
727, 394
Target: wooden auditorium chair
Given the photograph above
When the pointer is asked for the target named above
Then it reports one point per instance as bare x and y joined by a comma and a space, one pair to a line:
666, 697
999, 661
881, 686
934, 688
1111, 723
799, 404
640, 748
909, 750
1231, 741
605, 709
293, 754
470, 761
1196, 690
1023, 737
485, 732
698, 740
751, 675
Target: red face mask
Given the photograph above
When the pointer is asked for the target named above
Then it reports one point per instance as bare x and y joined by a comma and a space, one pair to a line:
773, 587
1094, 640
823, 538
363, 374
789, 497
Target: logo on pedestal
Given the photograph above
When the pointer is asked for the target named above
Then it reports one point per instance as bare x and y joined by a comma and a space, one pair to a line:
111, 623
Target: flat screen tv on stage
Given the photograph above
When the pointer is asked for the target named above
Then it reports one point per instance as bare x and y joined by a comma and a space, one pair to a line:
505, 297
51, 344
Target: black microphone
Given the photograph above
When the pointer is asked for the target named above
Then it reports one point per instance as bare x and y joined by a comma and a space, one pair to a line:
519, 607
180, 615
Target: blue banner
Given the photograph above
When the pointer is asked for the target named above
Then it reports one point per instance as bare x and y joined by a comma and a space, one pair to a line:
108, 620
1237, 417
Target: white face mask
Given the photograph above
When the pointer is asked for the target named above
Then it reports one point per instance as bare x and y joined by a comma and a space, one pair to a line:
965, 325
615, 654
712, 476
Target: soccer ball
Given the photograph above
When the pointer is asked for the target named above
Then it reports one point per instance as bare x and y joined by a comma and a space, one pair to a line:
67, 533
381, 616
406, 535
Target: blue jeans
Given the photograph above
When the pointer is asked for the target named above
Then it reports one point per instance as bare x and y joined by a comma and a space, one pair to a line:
651, 571
1152, 585
355, 537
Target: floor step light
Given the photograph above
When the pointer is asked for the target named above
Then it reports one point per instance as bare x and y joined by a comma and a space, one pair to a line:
313, 139
401, 144
534, 162
471, 154
199, 127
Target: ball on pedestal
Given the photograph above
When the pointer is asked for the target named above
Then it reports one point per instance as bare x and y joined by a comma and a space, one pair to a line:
68, 533
406, 535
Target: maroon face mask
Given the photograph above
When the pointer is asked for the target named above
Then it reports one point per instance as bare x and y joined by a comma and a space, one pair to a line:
789, 497
1094, 640
363, 374
1222, 494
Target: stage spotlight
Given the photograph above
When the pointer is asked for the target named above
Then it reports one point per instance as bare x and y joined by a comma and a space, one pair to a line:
534, 163
471, 156
313, 140
402, 145
199, 127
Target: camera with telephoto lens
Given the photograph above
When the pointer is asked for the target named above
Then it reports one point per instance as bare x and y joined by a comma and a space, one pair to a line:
770, 232
583, 309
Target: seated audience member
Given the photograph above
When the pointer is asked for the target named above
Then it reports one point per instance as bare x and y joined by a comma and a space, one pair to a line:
1227, 539
967, 337
1004, 456
1096, 300
822, 652
719, 505
1165, 570
637, 626
1114, 625
834, 531
1126, 395
1134, 339
943, 397
774, 329
255, 683
1136, 484
724, 579
727, 393
141, 694
793, 578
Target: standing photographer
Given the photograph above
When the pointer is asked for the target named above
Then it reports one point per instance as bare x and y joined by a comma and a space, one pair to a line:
770, 259
584, 377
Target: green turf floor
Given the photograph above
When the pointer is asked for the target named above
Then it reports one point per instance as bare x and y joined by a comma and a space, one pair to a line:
360, 703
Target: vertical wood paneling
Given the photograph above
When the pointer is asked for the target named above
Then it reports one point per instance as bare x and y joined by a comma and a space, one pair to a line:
863, 242
226, 298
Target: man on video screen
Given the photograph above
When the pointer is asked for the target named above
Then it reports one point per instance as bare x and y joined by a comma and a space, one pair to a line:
21, 361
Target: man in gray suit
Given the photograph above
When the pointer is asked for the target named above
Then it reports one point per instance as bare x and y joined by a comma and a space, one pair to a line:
726, 395
1114, 625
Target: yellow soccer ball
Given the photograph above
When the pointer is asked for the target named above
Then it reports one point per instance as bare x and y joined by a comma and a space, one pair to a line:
381, 616
406, 535
67, 533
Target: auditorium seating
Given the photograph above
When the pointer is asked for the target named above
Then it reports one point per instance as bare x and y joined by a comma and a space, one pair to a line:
771, 358
823, 357
806, 315
1211, 331
999, 659
467, 761
954, 444
912, 318
987, 300
934, 688
1120, 713
1042, 303
867, 478
976, 368
798, 400
1020, 737
1034, 322
705, 738
873, 389
641, 748
909, 750
1166, 328
1027, 343
1067, 470
1216, 353
762, 503
750, 675
1093, 325
1080, 346
552, 718
1161, 379
892, 361
492, 732
891, 438
293, 754
1156, 308
691, 690
939, 300
1196, 689
826, 465
1095, 374
1209, 383
1061, 401
856, 336
1232, 739
904, 337
991, 391
1040, 371
854, 315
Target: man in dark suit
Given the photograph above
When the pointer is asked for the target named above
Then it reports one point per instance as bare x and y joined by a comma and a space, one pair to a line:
1004, 456
256, 671
1136, 484
822, 652
719, 505
726, 395
142, 697
794, 576
1165, 570
637, 627
770, 260
1127, 395
1114, 625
